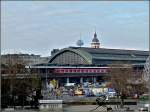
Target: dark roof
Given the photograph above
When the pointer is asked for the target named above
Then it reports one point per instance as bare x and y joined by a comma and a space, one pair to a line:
95, 39
19, 55
105, 55
112, 51
114, 54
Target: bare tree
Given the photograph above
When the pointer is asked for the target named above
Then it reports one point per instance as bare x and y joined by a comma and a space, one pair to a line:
13, 86
126, 80
120, 76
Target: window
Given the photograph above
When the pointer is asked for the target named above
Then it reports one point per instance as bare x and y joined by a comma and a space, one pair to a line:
69, 57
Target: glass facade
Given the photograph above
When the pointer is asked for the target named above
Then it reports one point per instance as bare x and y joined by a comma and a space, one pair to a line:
69, 57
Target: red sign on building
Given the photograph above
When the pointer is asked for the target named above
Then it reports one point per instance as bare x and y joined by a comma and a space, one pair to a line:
80, 70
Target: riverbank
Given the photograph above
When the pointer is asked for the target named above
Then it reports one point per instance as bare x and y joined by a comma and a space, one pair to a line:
86, 104
92, 101
78, 108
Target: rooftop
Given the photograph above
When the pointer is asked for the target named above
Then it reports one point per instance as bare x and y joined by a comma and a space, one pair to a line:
111, 51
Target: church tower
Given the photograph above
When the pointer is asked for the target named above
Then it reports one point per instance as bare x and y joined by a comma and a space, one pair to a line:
95, 42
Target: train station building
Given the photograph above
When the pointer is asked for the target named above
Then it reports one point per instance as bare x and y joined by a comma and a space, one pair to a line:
81, 64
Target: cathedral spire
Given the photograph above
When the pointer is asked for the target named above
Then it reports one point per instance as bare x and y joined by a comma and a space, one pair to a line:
95, 35
95, 42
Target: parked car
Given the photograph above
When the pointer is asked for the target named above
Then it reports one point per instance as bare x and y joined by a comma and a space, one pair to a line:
78, 91
143, 109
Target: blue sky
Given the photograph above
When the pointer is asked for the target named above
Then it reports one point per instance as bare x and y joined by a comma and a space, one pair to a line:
40, 26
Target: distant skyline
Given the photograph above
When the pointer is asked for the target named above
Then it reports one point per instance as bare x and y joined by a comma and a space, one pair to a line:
37, 27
